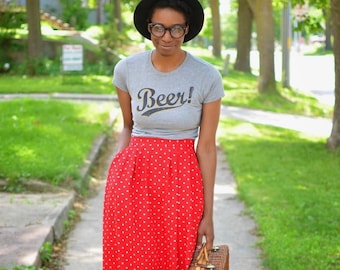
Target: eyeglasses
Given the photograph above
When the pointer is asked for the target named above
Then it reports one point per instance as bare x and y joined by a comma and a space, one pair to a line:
158, 30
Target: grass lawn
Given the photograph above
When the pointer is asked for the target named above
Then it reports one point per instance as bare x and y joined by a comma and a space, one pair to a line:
12, 84
46, 139
290, 183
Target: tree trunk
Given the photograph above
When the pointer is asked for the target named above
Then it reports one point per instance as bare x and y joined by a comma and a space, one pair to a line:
34, 34
215, 13
117, 15
244, 30
263, 11
99, 12
328, 31
334, 139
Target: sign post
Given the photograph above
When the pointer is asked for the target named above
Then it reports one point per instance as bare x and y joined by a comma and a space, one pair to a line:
286, 43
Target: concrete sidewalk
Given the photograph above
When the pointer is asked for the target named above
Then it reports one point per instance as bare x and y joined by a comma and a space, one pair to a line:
29, 220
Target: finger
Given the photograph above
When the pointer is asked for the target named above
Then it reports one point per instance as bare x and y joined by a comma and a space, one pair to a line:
210, 242
199, 241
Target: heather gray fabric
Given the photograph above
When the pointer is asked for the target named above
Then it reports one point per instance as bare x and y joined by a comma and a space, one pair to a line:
167, 105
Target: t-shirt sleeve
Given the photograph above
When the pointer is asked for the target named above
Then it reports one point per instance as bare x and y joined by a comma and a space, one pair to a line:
120, 75
215, 89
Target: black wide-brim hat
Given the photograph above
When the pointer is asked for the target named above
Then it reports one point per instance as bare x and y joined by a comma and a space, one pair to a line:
144, 7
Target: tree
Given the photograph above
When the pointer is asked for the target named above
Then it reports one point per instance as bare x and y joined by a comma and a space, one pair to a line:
328, 30
263, 12
244, 31
34, 34
100, 11
117, 15
334, 139
215, 14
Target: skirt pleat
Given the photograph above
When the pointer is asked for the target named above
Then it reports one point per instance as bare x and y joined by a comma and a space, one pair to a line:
152, 206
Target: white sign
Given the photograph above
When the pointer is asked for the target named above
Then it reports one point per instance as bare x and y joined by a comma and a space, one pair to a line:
72, 57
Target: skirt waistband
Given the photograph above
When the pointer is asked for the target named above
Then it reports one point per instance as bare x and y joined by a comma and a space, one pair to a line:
165, 144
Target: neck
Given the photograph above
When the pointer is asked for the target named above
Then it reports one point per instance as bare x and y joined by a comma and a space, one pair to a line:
165, 63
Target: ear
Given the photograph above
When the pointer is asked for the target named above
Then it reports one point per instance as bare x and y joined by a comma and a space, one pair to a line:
187, 30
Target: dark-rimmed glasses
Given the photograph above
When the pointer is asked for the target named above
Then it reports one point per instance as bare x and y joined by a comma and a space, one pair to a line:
158, 30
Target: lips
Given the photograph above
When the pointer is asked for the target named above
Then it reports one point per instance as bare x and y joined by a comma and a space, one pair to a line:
166, 46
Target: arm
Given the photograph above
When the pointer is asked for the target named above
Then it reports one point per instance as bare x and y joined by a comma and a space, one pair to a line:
125, 106
206, 154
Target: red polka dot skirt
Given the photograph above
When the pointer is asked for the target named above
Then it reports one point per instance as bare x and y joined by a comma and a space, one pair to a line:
152, 206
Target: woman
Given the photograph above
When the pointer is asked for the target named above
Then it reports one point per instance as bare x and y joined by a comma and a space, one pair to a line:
158, 201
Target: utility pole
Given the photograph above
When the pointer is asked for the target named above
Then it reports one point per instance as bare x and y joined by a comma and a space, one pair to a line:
286, 44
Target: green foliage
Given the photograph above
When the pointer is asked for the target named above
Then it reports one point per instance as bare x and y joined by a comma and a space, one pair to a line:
47, 139
52, 67
290, 183
312, 22
9, 23
112, 38
74, 13
24, 267
21, 267
14, 185
46, 252
11, 20
229, 29
42, 66
70, 219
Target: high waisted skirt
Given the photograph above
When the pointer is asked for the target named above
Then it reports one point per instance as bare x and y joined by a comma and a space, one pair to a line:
153, 205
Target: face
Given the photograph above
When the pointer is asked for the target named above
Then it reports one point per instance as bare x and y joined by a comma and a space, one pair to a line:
167, 45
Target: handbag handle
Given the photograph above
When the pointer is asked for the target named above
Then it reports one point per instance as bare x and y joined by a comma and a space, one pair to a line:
202, 259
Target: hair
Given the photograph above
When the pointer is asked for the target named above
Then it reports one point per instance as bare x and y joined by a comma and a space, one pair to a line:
178, 5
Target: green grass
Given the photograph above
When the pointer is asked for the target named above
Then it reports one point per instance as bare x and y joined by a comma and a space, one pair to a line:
241, 91
47, 140
291, 184
56, 84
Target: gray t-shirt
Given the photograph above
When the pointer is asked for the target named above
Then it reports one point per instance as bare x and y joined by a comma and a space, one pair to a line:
167, 104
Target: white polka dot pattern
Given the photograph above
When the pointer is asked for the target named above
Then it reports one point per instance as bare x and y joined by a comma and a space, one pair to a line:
152, 207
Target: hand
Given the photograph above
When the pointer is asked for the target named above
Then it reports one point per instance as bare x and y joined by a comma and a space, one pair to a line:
206, 229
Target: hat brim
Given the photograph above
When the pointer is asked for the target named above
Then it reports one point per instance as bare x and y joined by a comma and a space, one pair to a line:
143, 8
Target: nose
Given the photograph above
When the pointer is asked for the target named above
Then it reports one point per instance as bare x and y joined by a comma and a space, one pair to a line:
167, 35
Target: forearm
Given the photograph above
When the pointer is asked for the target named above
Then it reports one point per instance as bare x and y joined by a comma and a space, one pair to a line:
207, 160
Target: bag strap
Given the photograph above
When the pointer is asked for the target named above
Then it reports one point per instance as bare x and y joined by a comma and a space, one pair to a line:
202, 260
203, 256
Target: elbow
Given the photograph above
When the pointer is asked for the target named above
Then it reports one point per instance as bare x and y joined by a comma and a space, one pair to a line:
206, 150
